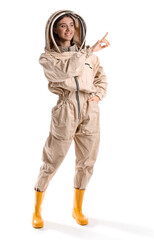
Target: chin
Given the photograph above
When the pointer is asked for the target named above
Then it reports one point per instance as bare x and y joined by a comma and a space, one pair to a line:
68, 39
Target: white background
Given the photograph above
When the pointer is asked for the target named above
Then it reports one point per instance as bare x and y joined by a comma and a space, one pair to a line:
119, 199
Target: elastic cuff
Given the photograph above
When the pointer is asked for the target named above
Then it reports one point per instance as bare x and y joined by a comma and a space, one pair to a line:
99, 95
37, 189
87, 51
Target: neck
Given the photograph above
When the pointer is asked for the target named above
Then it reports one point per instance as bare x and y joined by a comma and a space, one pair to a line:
64, 43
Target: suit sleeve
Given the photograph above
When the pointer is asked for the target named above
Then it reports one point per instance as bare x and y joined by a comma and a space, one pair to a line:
100, 80
58, 70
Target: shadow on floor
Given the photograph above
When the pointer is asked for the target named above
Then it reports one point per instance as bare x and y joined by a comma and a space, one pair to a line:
88, 232
130, 228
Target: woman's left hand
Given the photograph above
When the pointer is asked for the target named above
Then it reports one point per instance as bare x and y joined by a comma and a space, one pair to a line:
94, 98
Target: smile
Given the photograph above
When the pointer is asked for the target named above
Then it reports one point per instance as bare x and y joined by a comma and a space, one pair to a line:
68, 34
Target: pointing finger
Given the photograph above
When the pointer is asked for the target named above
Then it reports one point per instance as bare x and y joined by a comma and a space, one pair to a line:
105, 36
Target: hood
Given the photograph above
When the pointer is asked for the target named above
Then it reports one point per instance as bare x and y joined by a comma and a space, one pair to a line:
79, 34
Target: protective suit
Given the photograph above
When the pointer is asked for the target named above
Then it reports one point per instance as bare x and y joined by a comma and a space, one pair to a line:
75, 75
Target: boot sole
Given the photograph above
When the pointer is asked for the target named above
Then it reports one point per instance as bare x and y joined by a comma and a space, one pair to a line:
35, 226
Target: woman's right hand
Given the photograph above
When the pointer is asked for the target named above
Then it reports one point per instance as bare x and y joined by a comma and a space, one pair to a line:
97, 46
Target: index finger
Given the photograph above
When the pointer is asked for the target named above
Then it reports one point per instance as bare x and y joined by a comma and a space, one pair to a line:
105, 36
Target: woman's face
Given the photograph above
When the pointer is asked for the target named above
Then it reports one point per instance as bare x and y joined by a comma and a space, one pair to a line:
65, 29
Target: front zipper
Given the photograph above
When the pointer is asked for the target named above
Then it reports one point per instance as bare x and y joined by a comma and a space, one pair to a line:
77, 95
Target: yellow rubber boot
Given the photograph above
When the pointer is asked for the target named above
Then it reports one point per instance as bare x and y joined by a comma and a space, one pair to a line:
37, 221
77, 207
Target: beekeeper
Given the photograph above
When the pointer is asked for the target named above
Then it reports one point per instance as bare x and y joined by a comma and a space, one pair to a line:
74, 73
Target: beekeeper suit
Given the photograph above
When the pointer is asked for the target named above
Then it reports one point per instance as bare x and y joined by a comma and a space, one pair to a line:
75, 75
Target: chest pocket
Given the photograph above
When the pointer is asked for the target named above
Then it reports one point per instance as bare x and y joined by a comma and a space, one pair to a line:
88, 71
88, 65
86, 76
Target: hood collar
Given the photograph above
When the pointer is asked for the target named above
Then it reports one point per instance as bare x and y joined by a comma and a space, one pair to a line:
79, 37
72, 48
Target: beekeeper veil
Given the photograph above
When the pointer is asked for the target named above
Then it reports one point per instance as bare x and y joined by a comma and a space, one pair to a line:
79, 37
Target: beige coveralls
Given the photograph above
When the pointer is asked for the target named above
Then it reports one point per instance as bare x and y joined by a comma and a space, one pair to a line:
75, 75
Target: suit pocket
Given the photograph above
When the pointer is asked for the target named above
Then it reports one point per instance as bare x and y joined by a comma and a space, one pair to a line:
57, 107
95, 104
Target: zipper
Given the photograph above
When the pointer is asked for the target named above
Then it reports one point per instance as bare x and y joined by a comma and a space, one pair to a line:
77, 95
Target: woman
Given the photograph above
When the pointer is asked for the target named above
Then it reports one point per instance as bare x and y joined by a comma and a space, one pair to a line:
75, 75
